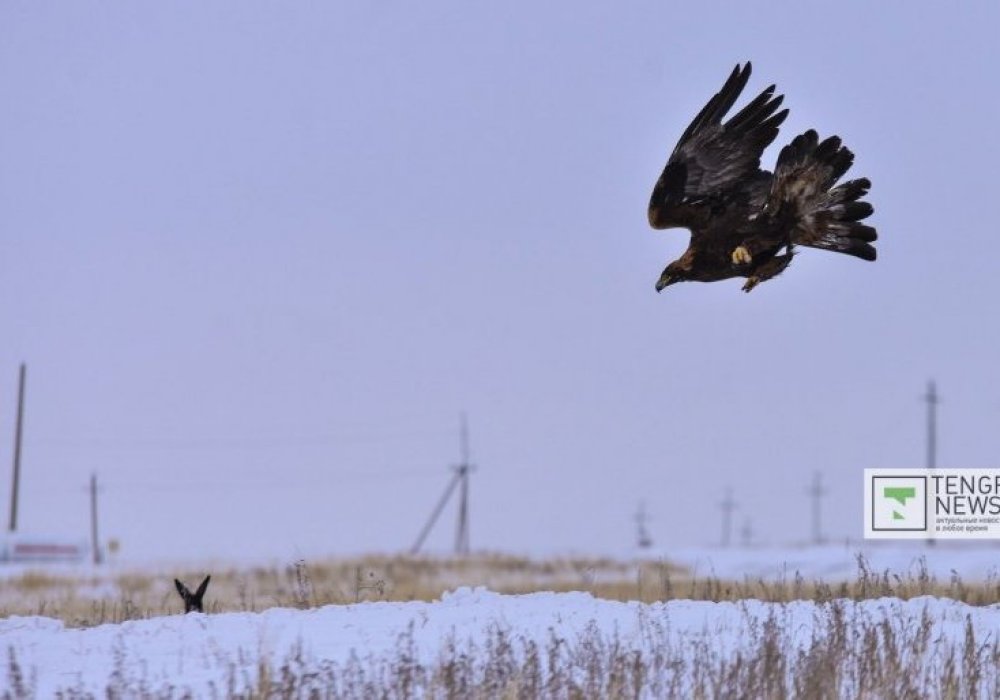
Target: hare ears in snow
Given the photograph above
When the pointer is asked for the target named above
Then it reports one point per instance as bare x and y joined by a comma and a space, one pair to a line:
192, 601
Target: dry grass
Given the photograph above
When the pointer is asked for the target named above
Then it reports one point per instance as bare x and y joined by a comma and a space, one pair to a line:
848, 655
92, 601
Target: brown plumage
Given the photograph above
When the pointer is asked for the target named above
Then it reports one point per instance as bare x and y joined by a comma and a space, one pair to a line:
745, 221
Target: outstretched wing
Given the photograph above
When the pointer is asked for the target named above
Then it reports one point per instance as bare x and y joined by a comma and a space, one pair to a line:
713, 159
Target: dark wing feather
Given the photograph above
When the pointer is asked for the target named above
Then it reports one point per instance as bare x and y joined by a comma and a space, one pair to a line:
713, 158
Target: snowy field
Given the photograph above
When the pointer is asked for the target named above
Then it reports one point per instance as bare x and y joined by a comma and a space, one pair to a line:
477, 643
473, 642
973, 562
839, 562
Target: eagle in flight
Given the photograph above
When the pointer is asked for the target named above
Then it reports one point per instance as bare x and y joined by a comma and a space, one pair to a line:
744, 221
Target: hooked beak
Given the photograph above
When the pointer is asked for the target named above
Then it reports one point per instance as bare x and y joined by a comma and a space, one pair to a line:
664, 281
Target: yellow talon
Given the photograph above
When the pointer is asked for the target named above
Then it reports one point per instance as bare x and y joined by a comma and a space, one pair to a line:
741, 256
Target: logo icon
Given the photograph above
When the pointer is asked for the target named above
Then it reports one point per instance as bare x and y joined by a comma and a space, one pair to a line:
899, 503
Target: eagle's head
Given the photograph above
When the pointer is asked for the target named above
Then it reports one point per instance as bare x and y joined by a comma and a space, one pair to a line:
677, 271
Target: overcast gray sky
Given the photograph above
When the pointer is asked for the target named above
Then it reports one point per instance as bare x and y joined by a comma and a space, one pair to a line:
259, 256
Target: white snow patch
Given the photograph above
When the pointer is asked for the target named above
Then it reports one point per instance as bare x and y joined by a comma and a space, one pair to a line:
216, 654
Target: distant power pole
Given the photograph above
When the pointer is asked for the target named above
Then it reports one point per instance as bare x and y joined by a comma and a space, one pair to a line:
817, 491
461, 478
641, 518
434, 515
728, 505
462, 470
746, 533
932, 399
19, 428
95, 542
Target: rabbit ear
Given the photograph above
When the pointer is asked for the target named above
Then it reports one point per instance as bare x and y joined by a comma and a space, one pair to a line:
182, 589
201, 588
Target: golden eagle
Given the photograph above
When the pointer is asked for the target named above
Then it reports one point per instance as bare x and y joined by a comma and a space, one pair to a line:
742, 217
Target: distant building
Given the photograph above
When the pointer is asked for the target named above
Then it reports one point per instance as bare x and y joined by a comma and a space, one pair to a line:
17, 548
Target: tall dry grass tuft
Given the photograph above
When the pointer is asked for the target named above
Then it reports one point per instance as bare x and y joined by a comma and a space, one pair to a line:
20, 685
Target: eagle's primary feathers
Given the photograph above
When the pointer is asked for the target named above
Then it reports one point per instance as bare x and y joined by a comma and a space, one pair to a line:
745, 221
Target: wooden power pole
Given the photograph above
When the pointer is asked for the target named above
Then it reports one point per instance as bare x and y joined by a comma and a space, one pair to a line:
746, 533
817, 491
18, 430
643, 538
459, 479
462, 470
728, 505
95, 542
932, 399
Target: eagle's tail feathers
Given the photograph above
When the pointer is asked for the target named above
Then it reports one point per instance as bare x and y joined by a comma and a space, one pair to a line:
846, 237
851, 190
852, 211
820, 214
814, 162
860, 232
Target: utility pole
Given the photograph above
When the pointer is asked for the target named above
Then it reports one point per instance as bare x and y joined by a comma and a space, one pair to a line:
746, 533
728, 505
95, 543
460, 478
19, 428
932, 399
434, 515
641, 518
462, 470
817, 491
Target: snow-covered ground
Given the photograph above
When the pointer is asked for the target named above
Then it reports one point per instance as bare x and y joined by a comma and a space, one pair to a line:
476, 641
973, 562
503, 642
